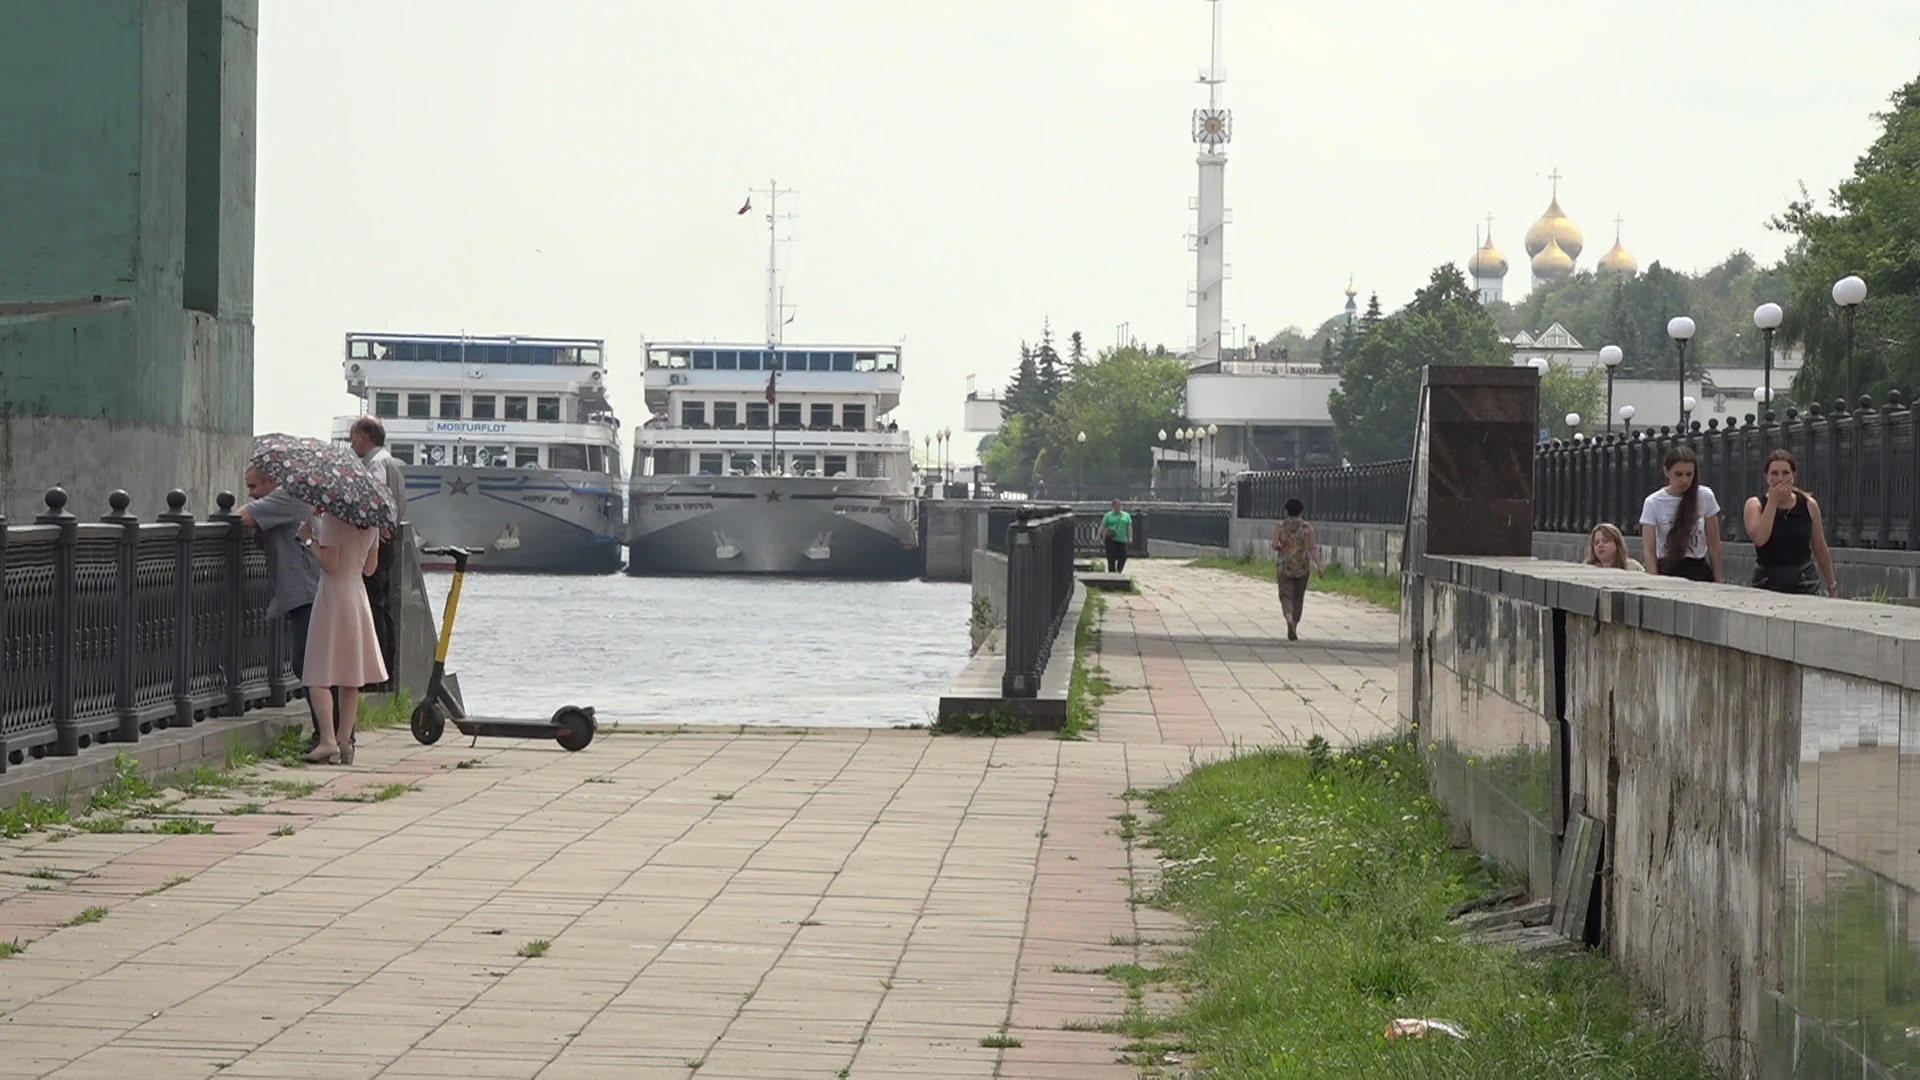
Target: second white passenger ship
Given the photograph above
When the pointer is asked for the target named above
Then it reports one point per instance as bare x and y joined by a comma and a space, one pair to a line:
509, 445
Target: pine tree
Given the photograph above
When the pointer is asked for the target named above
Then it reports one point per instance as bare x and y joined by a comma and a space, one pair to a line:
1046, 361
1076, 350
1023, 393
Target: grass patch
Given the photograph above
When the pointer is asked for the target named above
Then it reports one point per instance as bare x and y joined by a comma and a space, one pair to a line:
29, 814
536, 948
284, 830
379, 711
245, 808
12, 948
992, 725
165, 885
46, 873
183, 826
125, 789
1087, 688
110, 823
1372, 586
391, 792
1320, 891
288, 749
1000, 1042
475, 763
206, 780
292, 789
91, 915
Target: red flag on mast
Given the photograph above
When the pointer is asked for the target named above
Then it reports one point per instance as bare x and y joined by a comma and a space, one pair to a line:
771, 376
745, 206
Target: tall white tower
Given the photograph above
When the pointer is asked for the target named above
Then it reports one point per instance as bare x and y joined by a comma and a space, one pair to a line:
1212, 130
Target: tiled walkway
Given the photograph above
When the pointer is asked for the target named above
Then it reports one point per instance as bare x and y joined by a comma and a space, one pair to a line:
776, 903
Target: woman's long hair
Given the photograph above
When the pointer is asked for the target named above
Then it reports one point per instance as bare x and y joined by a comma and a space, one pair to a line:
1689, 515
1619, 546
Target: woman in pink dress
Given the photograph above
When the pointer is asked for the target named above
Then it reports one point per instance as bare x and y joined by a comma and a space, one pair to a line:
343, 652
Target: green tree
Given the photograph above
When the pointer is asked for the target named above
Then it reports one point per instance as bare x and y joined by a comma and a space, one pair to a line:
1121, 400
1076, 349
1052, 376
1373, 407
1564, 390
1005, 460
1872, 230
1023, 393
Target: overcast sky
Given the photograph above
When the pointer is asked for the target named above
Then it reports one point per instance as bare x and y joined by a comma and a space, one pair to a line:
967, 170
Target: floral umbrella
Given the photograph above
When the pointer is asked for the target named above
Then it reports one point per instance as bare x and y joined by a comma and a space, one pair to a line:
326, 477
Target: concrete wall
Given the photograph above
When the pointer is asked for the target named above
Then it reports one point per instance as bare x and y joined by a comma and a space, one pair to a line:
126, 283
1745, 754
989, 578
951, 530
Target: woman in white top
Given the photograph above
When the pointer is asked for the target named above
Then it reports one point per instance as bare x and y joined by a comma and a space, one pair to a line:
1680, 523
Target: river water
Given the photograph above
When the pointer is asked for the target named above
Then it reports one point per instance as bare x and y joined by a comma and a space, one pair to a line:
706, 650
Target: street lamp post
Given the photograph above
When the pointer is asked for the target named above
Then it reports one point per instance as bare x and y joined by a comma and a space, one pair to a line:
1850, 292
1680, 329
1626, 417
1763, 400
1082, 455
1767, 317
1687, 404
946, 455
1213, 457
1610, 356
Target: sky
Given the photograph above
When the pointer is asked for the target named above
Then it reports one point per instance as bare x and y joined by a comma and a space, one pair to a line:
967, 171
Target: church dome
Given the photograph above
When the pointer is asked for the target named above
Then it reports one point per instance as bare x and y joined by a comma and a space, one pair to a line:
1552, 263
1554, 225
1617, 261
1487, 262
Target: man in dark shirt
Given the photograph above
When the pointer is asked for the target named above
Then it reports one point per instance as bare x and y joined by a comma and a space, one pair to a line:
291, 564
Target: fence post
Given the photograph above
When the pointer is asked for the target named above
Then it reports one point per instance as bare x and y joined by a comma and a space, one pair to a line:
177, 514
1910, 536
67, 736
1022, 581
1883, 419
125, 622
4, 751
233, 601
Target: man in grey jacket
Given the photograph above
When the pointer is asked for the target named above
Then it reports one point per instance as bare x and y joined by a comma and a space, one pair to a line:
369, 439
291, 564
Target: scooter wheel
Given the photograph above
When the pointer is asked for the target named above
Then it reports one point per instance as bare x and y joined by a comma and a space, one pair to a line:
429, 723
575, 727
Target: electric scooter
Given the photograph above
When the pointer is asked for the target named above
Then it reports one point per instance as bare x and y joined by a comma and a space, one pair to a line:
572, 726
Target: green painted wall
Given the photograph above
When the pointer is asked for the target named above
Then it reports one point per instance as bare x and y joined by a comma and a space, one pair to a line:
134, 121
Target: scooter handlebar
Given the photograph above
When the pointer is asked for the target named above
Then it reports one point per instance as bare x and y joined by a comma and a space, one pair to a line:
457, 552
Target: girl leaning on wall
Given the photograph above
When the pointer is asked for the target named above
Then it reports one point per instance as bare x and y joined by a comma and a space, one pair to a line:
1789, 538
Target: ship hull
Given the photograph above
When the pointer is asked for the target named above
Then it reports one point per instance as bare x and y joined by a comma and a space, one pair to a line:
812, 526
535, 521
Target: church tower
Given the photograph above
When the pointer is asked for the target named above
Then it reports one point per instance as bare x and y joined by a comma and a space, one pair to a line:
1488, 268
1553, 242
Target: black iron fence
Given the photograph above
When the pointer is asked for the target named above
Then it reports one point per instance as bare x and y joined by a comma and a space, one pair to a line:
110, 630
1204, 526
1040, 553
1862, 464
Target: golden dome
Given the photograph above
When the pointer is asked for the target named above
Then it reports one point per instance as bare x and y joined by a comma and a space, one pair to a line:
1554, 225
1553, 263
1487, 262
1350, 290
1617, 261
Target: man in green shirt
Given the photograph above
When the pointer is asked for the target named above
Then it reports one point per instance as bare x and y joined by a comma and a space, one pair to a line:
1117, 525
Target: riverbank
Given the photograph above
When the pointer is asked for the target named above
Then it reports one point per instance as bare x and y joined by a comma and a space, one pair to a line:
1319, 886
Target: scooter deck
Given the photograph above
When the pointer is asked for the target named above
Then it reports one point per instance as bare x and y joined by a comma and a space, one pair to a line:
508, 729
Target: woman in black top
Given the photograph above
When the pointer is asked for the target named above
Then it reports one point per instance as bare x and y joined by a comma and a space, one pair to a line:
1788, 535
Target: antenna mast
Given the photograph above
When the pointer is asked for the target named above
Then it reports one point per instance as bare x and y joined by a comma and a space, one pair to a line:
773, 191
1212, 130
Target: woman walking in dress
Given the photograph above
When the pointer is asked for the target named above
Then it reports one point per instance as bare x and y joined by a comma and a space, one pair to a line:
1789, 538
1680, 523
1295, 552
343, 650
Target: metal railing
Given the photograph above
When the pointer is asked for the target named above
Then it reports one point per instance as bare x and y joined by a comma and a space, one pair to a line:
1040, 553
1862, 464
1375, 493
110, 630
1203, 526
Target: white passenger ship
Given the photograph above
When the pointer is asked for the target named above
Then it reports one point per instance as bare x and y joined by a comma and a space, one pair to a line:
509, 445
768, 458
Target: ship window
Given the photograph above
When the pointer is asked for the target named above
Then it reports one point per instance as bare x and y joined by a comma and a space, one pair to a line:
725, 414
419, 406
402, 452
864, 362
526, 457
567, 456
385, 404
757, 414
743, 463
727, 360
836, 464
789, 414
853, 417
596, 459
483, 406
465, 454
449, 406
527, 354
703, 360
546, 408
436, 453
820, 416
820, 361
843, 361
889, 362
493, 457
693, 414
710, 464
588, 356
516, 407
360, 350
766, 463
800, 464
750, 361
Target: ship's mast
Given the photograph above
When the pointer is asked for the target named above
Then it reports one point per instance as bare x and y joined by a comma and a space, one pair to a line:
773, 191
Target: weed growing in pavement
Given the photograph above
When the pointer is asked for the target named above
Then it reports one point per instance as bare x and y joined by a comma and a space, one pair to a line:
1087, 688
29, 814
1002, 1041
535, 948
994, 724
12, 948
91, 915
126, 788
165, 885
183, 826
284, 830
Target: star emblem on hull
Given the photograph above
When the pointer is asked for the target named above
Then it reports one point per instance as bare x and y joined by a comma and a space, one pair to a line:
773, 496
458, 486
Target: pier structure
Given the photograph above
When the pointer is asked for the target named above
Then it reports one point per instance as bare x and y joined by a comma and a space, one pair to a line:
126, 280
